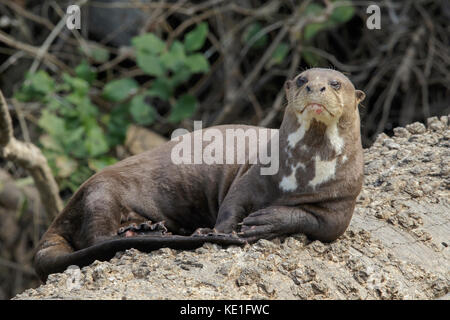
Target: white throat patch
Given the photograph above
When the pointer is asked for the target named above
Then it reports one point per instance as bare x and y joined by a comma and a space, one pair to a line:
289, 183
332, 133
298, 135
335, 139
324, 171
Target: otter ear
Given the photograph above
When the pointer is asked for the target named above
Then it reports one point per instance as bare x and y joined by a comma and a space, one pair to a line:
360, 95
288, 85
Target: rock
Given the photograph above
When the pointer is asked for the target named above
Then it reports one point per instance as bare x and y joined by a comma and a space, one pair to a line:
248, 276
416, 128
140, 139
391, 144
188, 263
224, 269
380, 138
435, 124
73, 281
264, 245
396, 246
401, 132
267, 288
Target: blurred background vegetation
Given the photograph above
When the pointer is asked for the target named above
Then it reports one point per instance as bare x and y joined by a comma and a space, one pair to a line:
153, 66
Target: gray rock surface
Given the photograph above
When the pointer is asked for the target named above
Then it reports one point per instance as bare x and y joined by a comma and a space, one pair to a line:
396, 247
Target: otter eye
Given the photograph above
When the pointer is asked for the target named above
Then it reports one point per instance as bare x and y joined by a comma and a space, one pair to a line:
335, 84
301, 81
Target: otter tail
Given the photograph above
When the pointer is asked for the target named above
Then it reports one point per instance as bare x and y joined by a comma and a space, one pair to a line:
58, 254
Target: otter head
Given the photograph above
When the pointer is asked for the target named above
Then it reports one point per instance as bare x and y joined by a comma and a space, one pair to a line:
325, 95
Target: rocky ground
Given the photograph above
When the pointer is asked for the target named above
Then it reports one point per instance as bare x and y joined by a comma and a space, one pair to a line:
395, 248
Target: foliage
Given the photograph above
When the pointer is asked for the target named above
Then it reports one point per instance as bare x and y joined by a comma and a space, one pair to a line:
74, 141
78, 136
342, 13
171, 67
255, 38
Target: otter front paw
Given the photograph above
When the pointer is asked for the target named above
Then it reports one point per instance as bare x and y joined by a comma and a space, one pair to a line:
263, 224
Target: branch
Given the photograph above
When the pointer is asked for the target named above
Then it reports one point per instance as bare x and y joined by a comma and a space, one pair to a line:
278, 103
29, 15
33, 51
31, 158
46, 45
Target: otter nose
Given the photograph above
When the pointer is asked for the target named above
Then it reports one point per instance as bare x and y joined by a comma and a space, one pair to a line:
311, 88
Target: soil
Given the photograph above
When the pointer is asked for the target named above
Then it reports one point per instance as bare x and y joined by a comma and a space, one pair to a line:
396, 247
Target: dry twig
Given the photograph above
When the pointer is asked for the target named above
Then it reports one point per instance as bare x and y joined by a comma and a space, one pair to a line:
31, 158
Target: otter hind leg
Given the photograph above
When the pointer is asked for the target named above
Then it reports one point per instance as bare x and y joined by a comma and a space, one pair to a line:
52, 249
102, 215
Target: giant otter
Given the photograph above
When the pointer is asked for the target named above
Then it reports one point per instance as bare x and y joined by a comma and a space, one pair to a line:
147, 201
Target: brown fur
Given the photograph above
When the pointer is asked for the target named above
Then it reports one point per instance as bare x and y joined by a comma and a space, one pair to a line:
149, 186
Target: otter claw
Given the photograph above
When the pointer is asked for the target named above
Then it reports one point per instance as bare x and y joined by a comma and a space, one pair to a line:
142, 228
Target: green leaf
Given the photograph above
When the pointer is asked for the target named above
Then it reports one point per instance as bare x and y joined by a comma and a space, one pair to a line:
101, 163
85, 72
98, 53
148, 43
175, 58
86, 111
150, 64
118, 90
79, 85
62, 106
78, 177
36, 86
73, 136
180, 77
78, 150
41, 82
24, 95
278, 55
161, 88
197, 63
195, 39
314, 9
141, 112
339, 15
54, 105
183, 108
117, 124
250, 35
312, 29
310, 58
96, 142
50, 143
343, 13
52, 124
